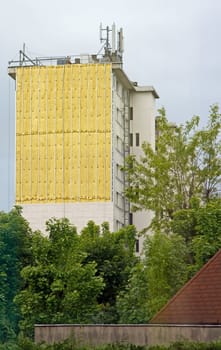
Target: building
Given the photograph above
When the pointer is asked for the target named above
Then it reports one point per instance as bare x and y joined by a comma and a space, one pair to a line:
77, 119
199, 301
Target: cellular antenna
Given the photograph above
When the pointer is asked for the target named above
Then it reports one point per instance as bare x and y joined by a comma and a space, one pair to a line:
108, 36
113, 37
120, 41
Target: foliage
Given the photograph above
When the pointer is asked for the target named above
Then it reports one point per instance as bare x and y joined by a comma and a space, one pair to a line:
132, 303
114, 256
166, 268
184, 168
201, 229
73, 278
155, 279
15, 242
177, 181
25, 344
208, 239
58, 287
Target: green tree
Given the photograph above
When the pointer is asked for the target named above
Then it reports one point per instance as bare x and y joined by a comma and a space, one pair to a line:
58, 287
177, 181
114, 256
201, 228
184, 168
132, 303
155, 279
15, 243
165, 258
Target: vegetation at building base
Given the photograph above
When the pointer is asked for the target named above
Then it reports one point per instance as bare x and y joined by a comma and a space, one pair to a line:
94, 276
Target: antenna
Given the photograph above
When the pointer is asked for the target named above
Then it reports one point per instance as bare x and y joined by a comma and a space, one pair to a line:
108, 38
105, 39
120, 41
23, 58
101, 39
113, 37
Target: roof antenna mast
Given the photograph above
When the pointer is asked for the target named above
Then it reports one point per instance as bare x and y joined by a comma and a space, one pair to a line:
108, 38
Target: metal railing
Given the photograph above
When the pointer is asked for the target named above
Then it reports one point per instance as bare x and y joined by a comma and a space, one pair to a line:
26, 61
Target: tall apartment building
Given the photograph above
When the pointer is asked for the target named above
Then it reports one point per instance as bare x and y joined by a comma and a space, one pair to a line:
77, 119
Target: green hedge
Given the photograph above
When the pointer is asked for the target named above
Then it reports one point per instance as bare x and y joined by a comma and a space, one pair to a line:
25, 344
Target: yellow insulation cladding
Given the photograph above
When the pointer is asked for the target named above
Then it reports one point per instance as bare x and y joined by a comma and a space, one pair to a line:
63, 133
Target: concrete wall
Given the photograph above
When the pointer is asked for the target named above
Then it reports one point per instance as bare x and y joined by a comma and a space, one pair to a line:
78, 213
129, 334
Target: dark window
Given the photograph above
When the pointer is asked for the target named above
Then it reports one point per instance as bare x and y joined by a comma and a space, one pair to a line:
137, 246
130, 219
131, 140
131, 113
119, 172
137, 139
119, 144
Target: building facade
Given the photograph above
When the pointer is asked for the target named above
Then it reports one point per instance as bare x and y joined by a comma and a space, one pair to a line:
77, 119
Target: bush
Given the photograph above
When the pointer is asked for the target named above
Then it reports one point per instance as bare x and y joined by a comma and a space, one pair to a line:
185, 345
26, 344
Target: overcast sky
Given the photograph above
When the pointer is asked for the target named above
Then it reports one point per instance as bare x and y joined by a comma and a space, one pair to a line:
173, 45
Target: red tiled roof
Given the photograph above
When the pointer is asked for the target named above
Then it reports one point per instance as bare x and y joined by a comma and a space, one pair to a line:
198, 301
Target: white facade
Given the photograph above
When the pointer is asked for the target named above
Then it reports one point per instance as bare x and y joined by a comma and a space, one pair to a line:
142, 129
78, 213
133, 124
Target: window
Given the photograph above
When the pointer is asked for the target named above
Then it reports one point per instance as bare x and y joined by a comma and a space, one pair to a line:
131, 140
131, 113
119, 172
130, 219
137, 246
118, 114
117, 86
119, 117
125, 96
137, 139
119, 89
119, 144
118, 199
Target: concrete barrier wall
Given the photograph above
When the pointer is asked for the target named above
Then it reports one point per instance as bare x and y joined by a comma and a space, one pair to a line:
128, 334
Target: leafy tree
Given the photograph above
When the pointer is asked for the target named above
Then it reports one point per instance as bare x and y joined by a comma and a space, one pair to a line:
114, 256
165, 259
184, 168
58, 288
15, 242
132, 303
201, 228
177, 181
160, 273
